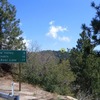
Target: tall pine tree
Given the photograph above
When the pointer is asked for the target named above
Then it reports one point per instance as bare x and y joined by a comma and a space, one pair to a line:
85, 62
9, 27
93, 30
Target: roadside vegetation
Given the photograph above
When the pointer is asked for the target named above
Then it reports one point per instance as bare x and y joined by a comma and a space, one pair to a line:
74, 72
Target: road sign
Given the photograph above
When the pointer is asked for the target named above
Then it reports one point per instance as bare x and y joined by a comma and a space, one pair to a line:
12, 56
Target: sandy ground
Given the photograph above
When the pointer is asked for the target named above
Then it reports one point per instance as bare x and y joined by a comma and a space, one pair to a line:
28, 92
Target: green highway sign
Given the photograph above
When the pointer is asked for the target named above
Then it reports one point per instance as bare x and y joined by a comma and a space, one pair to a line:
12, 56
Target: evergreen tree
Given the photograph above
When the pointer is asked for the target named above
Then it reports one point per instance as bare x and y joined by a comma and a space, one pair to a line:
85, 62
9, 27
78, 60
94, 30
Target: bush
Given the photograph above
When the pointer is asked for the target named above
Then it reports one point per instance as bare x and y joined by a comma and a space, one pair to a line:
47, 73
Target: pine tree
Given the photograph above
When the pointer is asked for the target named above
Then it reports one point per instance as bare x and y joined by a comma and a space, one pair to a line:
9, 27
85, 62
93, 30
78, 61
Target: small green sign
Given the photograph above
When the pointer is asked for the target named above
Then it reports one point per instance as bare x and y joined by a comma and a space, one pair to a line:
15, 56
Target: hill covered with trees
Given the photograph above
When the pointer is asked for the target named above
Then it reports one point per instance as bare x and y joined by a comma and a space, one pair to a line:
74, 72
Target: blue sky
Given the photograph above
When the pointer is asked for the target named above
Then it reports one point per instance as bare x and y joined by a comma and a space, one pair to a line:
54, 24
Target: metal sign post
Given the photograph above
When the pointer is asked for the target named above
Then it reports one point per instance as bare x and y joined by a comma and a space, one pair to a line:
12, 88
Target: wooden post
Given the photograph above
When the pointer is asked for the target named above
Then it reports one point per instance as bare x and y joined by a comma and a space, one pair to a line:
19, 77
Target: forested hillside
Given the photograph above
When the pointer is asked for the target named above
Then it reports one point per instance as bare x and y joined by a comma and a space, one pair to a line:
74, 72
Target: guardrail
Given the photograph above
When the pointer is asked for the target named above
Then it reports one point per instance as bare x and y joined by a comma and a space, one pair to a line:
8, 96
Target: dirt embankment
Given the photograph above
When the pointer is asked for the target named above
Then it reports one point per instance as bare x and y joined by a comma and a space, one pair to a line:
28, 92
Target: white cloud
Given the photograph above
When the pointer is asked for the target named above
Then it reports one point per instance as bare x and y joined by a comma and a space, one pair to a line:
97, 48
20, 24
51, 22
64, 38
27, 42
54, 30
